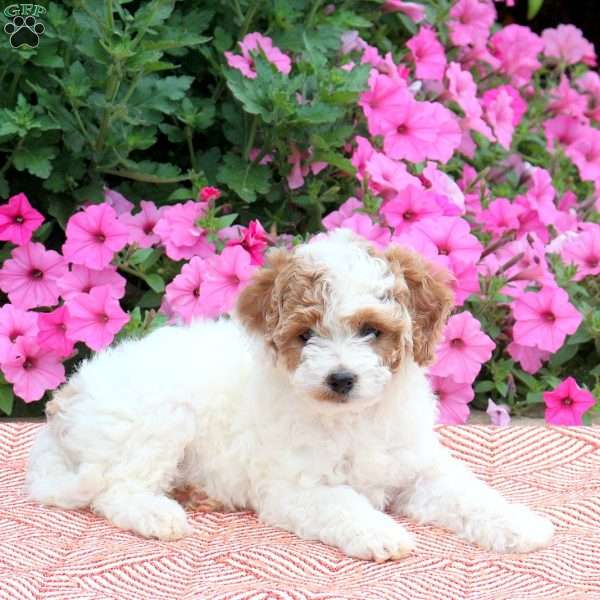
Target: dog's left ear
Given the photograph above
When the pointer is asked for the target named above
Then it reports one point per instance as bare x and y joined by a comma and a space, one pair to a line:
424, 289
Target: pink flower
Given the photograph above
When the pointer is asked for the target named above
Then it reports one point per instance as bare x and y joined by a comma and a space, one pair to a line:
500, 216
299, 171
417, 131
227, 275
500, 116
30, 276
562, 130
566, 404
180, 233
583, 251
18, 220
387, 177
589, 83
412, 10
362, 154
463, 89
544, 318
93, 236
334, 219
141, 225
453, 400
14, 324
567, 44
209, 193
466, 280
452, 237
439, 183
255, 43
470, 22
364, 226
517, 104
529, 357
409, 207
585, 153
53, 331
184, 293
95, 318
32, 370
517, 48
463, 349
427, 54
499, 413
83, 280
254, 240
117, 201
382, 100
564, 100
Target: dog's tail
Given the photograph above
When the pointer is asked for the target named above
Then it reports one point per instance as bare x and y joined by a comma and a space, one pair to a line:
54, 479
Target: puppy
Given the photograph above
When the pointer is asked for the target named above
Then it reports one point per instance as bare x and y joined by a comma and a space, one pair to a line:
310, 406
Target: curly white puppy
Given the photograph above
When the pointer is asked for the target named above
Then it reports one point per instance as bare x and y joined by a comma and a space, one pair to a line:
310, 407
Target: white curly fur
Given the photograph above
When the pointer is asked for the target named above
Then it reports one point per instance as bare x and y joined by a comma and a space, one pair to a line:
207, 406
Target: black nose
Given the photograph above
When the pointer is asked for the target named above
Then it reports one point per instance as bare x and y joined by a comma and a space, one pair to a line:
341, 382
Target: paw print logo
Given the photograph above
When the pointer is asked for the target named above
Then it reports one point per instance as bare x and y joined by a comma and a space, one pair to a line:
24, 31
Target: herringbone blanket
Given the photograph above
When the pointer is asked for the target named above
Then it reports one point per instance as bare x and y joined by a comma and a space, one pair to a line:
51, 553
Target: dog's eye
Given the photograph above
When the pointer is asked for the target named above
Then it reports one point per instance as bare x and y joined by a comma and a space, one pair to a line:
367, 330
306, 335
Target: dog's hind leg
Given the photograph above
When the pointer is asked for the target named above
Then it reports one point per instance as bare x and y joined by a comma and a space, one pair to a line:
138, 481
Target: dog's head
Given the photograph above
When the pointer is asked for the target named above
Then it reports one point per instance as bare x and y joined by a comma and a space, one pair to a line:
343, 318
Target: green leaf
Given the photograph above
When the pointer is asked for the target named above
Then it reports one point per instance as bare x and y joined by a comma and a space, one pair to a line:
181, 194
484, 386
139, 256
534, 398
150, 300
337, 160
565, 354
528, 380
533, 7
246, 179
36, 160
7, 399
156, 282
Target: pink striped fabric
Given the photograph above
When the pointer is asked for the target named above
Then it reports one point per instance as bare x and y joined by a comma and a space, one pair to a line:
62, 555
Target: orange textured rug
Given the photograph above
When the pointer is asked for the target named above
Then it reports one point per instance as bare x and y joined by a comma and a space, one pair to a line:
51, 553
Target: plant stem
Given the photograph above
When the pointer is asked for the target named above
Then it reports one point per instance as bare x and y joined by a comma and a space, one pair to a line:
251, 136
144, 176
248, 19
313, 11
190, 144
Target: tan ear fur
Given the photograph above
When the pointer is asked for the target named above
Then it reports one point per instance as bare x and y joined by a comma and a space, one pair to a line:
425, 289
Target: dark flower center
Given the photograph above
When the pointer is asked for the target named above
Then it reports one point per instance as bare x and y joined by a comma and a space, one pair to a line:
28, 364
591, 262
100, 237
443, 251
13, 335
457, 343
36, 274
402, 129
19, 219
408, 215
103, 318
234, 279
567, 401
549, 317
148, 227
196, 292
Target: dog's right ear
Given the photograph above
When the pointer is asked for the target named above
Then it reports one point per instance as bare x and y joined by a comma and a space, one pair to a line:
257, 306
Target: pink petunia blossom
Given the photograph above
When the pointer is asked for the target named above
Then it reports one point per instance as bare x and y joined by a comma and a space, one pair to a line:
583, 251
180, 233
565, 100
428, 54
453, 400
334, 219
93, 236
408, 207
30, 276
589, 84
32, 369
499, 413
544, 318
388, 177
567, 44
184, 293
419, 131
362, 153
14, 324
530, 358
436, 181
95, 318
18, 220
470, 22
501, 216
53, 331
255, 43
500, 115
517, 104
384, 97
209, 193
302, 165
226, 276
254, 240
585, 153
463, 350
117, 201
463, 89
566, 404
466, 280
80, 279
530, 219
141, 225
414, 11
364, 226
561, 130
517, 49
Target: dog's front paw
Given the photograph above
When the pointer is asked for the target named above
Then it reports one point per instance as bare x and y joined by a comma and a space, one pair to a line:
521, 531
380, 539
